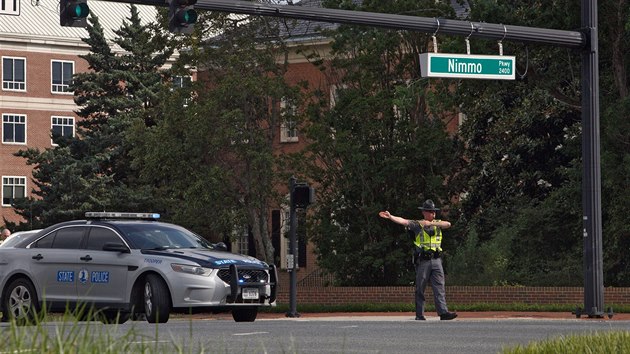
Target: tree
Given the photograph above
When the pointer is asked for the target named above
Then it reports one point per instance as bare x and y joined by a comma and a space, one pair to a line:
93, 170
211, 156
377, 144
523, 140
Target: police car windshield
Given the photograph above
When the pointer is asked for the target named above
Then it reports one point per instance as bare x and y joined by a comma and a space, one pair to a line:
161, 236
17, 237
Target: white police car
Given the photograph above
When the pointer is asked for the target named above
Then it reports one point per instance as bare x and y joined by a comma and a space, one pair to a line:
116, 266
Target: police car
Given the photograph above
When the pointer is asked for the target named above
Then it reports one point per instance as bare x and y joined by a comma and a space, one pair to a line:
116, 266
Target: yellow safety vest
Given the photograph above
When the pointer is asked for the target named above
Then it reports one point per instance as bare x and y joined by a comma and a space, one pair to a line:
427, 242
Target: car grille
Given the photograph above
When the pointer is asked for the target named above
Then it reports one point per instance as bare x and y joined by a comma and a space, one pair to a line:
245, 275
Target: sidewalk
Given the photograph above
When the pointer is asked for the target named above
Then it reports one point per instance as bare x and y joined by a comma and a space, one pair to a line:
489, 315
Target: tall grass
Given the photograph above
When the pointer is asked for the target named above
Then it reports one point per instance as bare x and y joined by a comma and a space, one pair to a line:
604, 343
64, 334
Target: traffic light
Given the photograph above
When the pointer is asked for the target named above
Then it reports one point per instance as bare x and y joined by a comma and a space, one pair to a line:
73, 13
181, 16
303, 195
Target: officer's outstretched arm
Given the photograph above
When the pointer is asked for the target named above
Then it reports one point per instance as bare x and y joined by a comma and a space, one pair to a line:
397, 219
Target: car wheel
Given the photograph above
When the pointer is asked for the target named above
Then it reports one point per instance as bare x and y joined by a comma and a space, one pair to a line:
114, 317
156, 299
20, 301
244, 314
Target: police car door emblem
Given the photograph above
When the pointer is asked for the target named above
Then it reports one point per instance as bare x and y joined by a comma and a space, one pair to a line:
83, 276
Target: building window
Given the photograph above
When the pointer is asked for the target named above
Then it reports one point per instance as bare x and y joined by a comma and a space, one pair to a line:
62, 126
13, 129
241, 241
13, 74
288, 127
182, 81
62, 72
461, 117
12, 188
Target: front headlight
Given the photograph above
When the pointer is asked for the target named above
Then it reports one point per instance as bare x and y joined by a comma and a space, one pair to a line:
196, 270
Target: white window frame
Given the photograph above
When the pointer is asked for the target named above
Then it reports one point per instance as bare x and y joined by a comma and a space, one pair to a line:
65, 122
178, 83
63, 87
240, 243
7, 116
461, 118
13, 181
178, 80
334, 96
288, 127
11, 85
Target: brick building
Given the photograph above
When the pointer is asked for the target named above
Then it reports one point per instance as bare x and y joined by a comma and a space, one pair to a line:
38, 58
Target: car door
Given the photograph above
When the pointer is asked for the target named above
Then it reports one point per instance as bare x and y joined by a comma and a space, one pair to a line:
102, 275
54, 261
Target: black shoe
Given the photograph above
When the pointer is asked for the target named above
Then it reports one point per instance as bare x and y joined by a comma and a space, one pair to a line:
420, 318
448, 316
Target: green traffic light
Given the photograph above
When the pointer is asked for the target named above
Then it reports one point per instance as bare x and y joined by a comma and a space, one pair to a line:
187, 16
80, 10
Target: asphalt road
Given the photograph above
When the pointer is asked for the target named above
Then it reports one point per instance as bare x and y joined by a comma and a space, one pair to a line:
341, 334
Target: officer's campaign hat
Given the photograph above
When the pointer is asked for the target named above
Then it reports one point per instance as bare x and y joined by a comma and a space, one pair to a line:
428, 205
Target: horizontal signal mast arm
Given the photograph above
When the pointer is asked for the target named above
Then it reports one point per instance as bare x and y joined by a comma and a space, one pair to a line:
570, 39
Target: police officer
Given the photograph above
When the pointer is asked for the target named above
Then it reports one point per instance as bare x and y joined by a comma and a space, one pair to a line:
427, 235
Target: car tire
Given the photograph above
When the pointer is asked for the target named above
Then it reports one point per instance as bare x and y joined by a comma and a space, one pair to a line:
20, 302
156, 299
244, 314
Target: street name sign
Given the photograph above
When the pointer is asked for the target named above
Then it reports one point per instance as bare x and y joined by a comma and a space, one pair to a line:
465, 66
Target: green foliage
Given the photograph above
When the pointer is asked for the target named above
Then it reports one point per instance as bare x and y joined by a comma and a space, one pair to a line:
92, 171
379, 148
610, 342
211, 155
520, 208
523, 144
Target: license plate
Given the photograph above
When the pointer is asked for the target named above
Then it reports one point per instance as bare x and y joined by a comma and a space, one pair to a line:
250, 293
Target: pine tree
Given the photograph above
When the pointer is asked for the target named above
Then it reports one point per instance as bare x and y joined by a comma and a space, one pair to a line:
93, 170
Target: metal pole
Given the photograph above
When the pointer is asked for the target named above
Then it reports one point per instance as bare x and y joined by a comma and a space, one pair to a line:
591, 180
571, 39
292, 256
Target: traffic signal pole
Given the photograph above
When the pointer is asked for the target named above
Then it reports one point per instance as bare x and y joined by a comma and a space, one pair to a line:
584, 40
591, 167
293, 254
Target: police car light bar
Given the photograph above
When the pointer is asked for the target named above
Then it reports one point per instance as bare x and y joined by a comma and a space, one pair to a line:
116, 215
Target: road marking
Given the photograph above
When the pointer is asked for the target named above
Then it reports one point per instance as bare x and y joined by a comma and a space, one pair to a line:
353, 326
150, 341
249, 334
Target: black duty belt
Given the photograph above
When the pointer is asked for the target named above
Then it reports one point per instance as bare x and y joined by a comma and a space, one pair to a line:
429, 254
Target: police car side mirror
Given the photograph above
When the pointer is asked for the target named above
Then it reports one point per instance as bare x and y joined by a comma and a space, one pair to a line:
220, 246
116, 247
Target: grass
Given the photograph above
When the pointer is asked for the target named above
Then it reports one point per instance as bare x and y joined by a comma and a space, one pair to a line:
71, 336
604, 343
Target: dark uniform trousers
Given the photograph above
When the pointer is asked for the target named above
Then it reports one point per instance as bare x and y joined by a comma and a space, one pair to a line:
430, 270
